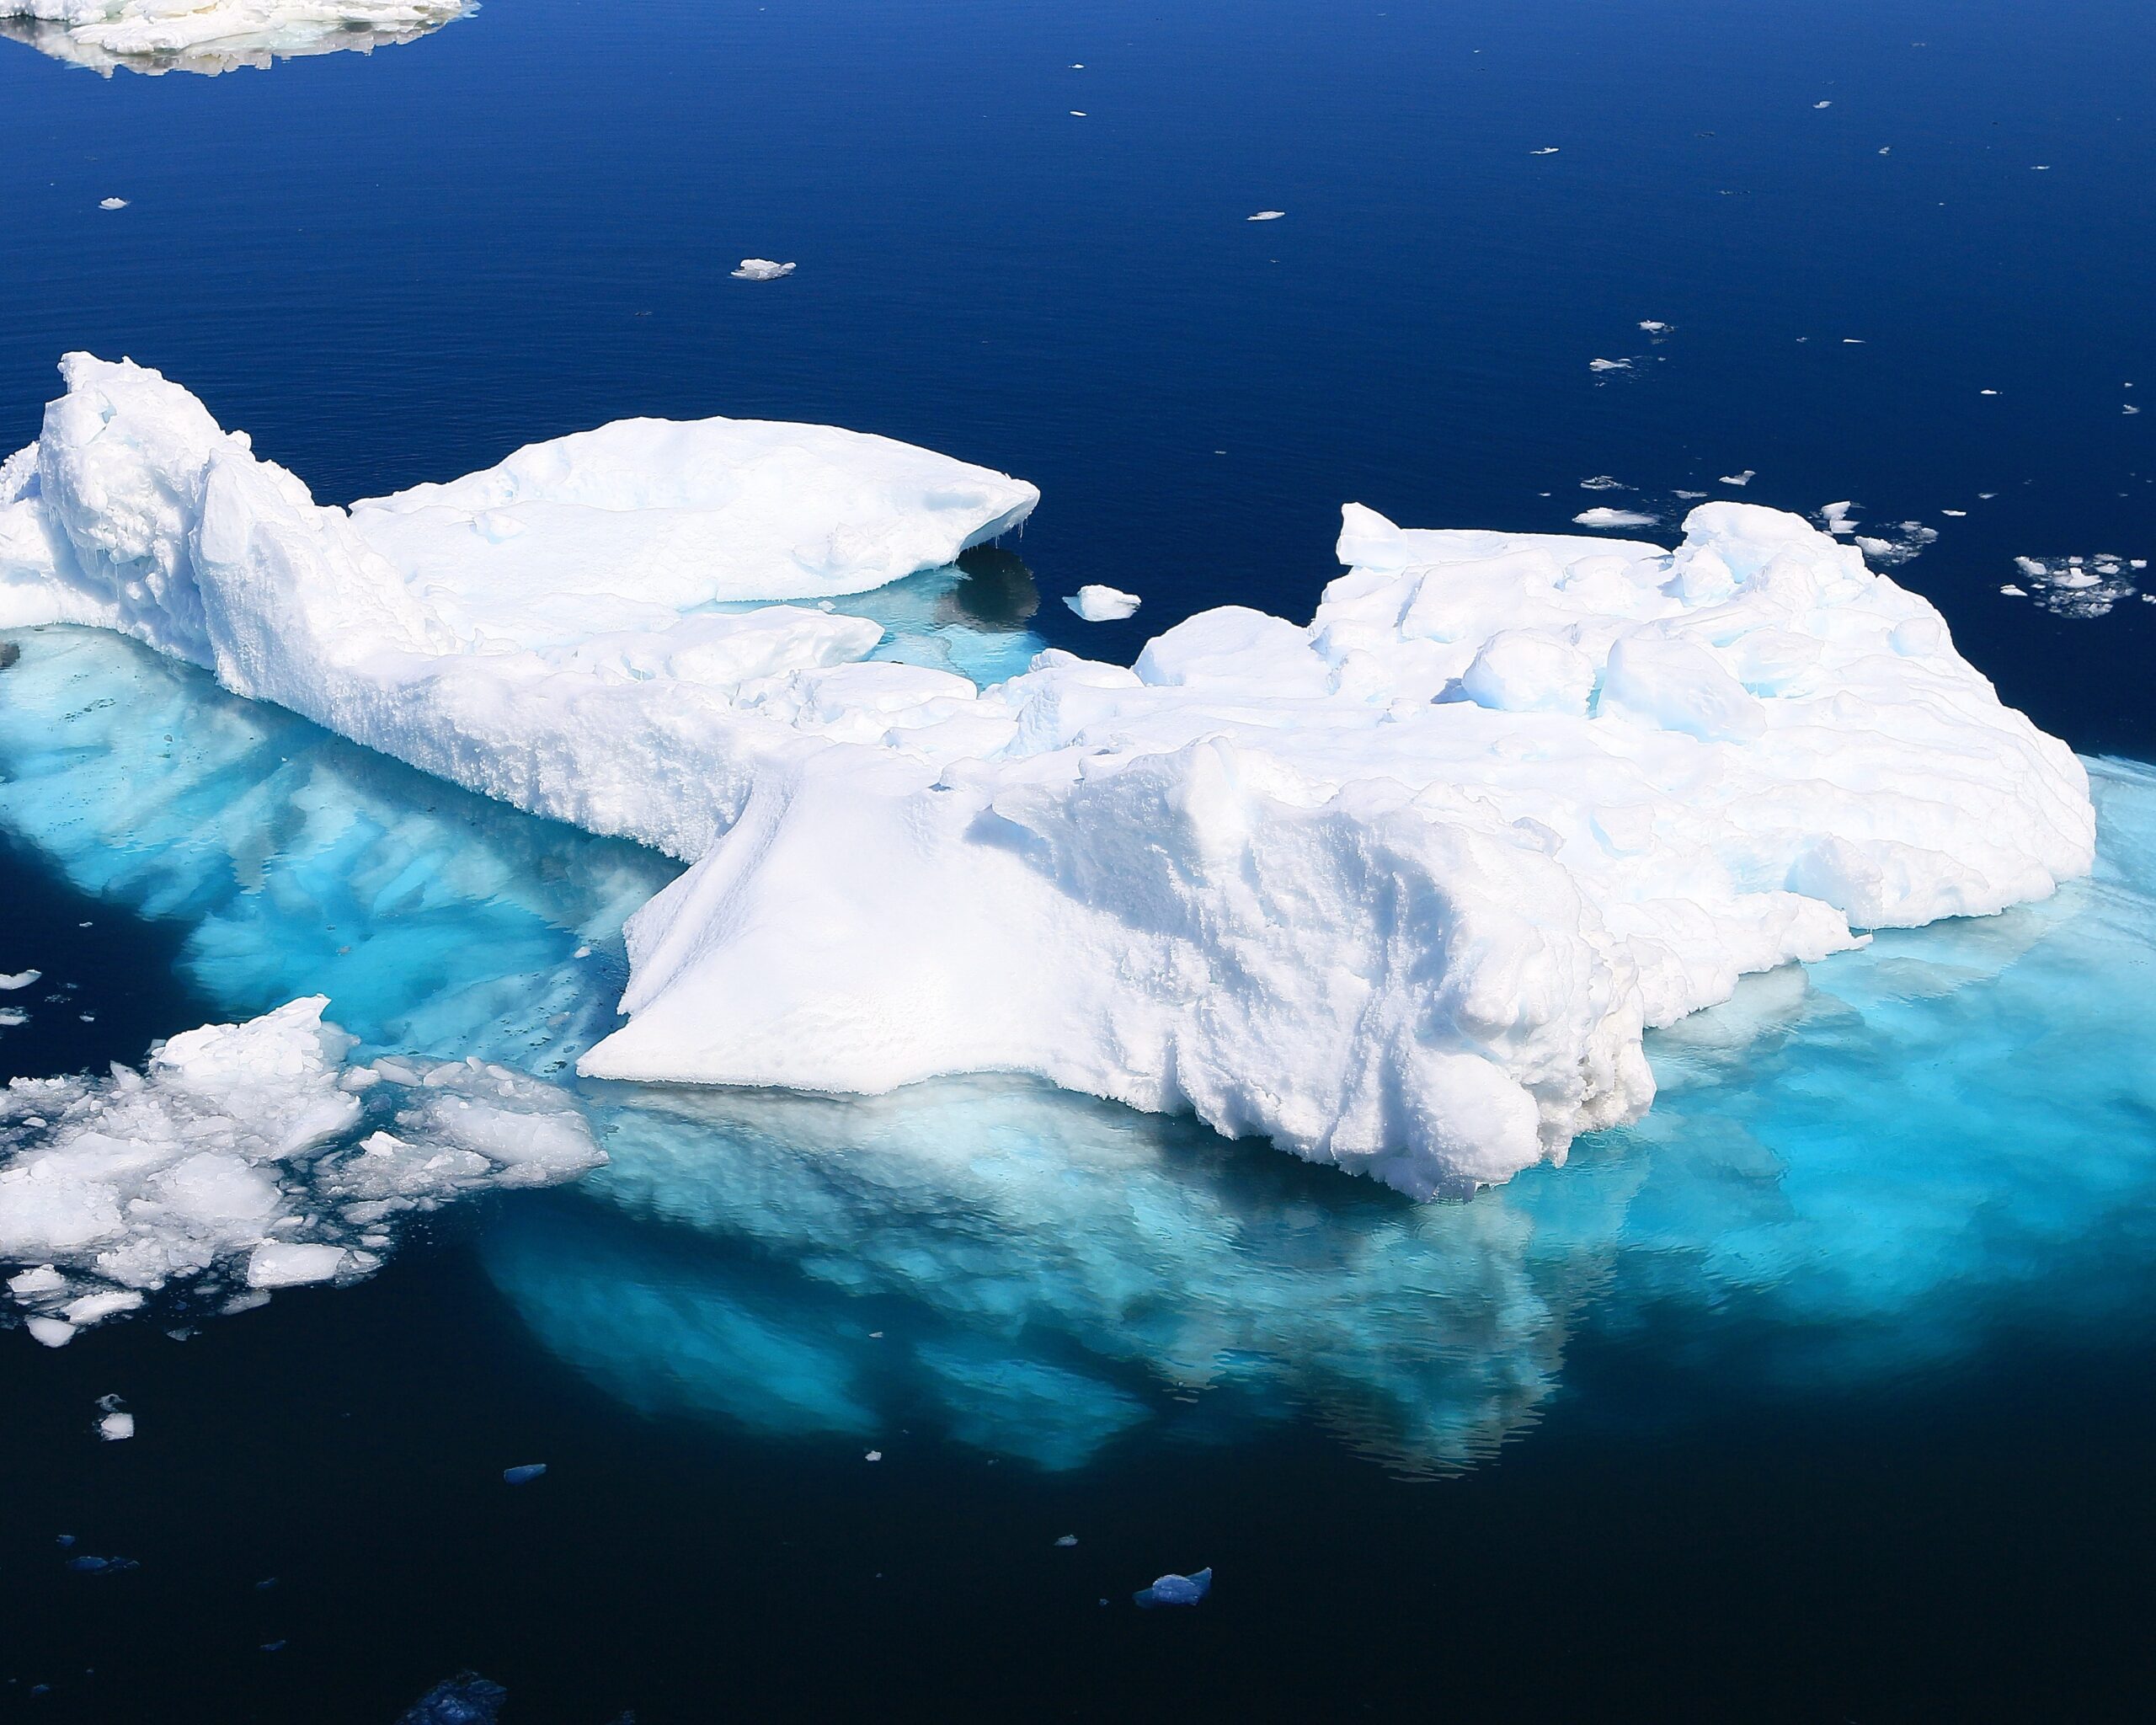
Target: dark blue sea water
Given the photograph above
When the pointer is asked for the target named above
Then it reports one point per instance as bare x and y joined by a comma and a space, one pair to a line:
1823, 1394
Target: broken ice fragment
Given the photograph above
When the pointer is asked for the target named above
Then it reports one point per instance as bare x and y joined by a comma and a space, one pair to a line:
761, 269
1610, 365
1266, 216
1743, 478
1176, 1589
112, 203
280, 1264
1099, 604
20, 979
523, 1475
1069, 1539
1607, 517
116, 1428
466, 1699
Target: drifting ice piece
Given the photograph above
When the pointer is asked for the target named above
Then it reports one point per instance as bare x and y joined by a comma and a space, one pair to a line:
761, 269
1102, 605
1175, 1590
210, 36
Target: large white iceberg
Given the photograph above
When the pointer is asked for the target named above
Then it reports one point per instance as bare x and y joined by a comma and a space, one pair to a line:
1399, 889
211, 36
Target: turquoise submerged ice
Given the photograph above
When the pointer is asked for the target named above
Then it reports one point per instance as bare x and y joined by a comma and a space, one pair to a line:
1870, 1160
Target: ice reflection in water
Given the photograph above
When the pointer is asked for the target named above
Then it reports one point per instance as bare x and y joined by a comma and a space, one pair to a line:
1865, 1164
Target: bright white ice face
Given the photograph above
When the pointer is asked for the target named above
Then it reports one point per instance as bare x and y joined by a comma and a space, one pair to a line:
212, 36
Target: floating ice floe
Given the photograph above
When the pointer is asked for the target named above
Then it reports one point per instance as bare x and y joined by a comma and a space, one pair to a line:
1608, 517
1102, 604
761, 269
1604, 482
1266, 216
524, 1474
17, 980
211, 36
1547, 150
2080, 586
1655, 326
1398, 889
1610, 365
241, 1159
1743, 478
112, 203
1176, 1589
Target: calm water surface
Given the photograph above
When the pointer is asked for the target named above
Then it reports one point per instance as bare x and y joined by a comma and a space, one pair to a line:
1823, 1394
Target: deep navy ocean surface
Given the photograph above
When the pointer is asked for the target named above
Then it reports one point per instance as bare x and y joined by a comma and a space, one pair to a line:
1824, 1393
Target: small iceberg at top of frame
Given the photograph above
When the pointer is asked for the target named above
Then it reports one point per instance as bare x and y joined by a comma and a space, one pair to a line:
213, 36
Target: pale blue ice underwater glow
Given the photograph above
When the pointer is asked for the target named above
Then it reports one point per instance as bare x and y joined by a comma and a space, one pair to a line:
1867, 1166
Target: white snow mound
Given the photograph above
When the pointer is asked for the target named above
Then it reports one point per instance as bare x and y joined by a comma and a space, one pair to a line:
1399, 889
210, 36
241, 1156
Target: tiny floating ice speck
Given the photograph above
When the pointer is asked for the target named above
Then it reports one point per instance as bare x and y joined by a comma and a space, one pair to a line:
1550, 150
112, 203
761, 269
1266, 216
1822, 104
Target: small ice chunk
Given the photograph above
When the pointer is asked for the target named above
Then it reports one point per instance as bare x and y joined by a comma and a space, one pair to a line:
466, 1699
116, 1428
1175, 1590
873, 1456
1743, 478
1957, 514
1266, 216
278, 1264
1547, 150
761, 269
20, 979
1604, 482
1822, 104
524, 1474
88, 1565
1835, 518
1610, 365
52, 1331
1608, 517
30, 1285
1100, 605
1654, 326
112, 203
1069, 1539
11, 1017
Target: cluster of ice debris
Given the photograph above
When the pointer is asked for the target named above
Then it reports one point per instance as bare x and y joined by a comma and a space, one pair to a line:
247, 1157
1400, 889
211, 36
2077, 586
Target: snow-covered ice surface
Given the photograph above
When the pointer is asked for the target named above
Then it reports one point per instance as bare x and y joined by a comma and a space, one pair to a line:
212, 36
1400, 889
250, 1157
1875, 1155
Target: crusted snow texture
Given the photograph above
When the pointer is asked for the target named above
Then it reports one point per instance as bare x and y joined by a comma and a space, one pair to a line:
1398, 889
252, 1155
211, 36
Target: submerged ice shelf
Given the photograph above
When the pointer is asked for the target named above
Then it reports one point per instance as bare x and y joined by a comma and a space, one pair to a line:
1400, 890
212, 36
1859, 1167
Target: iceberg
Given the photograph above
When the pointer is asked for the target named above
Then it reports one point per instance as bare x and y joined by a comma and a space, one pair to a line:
1401, 890
1856, 1170
212, 36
